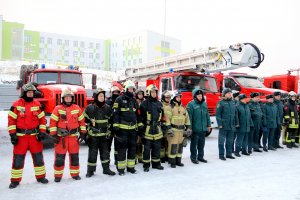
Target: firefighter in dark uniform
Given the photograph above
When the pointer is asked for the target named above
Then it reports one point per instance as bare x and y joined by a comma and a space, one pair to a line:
97, 117
165, 100
126, 123
27, 127
151, 114
243, 130
279, 104
256, 116
139, 95
227, 122
270, 123
114, 93
291, 120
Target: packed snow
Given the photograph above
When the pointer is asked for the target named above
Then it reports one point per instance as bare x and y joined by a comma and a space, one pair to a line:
272, 175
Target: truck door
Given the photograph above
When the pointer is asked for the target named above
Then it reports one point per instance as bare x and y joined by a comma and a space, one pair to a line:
165, 84
230, 83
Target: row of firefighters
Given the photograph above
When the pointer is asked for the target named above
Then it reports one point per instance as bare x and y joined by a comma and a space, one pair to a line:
143, 129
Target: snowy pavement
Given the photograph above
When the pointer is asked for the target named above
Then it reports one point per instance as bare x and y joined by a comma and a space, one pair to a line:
272, 175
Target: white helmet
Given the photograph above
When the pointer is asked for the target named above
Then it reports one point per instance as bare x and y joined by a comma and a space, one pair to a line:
292, 94
129, 84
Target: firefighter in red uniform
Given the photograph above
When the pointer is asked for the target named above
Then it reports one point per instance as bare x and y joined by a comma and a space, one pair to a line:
27, 127
66, 122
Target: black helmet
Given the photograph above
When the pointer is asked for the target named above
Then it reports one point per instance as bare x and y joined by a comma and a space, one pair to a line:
97, 92
235, 94
254, 94
27, 87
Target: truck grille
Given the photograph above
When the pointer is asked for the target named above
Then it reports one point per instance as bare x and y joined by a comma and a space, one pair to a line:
78, 98
212, 111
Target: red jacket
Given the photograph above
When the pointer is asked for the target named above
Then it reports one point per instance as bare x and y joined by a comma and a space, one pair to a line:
74, 118
26, 115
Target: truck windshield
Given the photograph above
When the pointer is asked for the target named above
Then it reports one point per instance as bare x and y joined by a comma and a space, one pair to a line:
46, 78
52, 78
250, 82
70, 78
188, 83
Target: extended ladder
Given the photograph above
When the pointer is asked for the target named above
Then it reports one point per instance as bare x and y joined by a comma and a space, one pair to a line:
203, 60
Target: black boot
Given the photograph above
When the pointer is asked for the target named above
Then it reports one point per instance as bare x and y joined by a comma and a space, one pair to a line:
195, 161
202, 160
173, 166
57, 180
222, 158
13, 185
42, 180
159, 167
265, 149
146, 169
89, 174
178, 162
230, 157
77, 178
237, 154
121, 172
131, 170
107, 171
245, 153
257, 150
294, 145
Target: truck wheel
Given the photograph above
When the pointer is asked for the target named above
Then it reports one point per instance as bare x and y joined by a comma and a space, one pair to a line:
208, 133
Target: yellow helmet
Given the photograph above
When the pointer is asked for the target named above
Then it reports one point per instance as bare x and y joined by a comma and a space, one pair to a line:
129, 84
150, 88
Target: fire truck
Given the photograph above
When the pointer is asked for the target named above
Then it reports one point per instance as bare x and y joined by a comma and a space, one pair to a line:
185, 72
288, 82
245, 84
51, 81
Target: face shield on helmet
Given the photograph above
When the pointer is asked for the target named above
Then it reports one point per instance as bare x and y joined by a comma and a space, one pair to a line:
27, 87
66, 93
292, 94
166, 96
129, 84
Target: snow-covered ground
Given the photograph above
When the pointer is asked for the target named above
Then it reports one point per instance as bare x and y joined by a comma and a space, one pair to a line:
263, 176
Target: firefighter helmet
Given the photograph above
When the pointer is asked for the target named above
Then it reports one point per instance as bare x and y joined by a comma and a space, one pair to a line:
27, 87
176, 94
151, 88
114, 88
65, 93
129, 84
97, 92
292, 94
164, 95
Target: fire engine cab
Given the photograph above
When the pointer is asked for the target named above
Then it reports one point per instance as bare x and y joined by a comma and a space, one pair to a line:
185, 72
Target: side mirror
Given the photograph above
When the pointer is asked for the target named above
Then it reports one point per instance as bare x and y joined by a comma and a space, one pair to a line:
94, 81
19, 84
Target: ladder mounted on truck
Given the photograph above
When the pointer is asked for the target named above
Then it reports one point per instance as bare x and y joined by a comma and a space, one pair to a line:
204, 60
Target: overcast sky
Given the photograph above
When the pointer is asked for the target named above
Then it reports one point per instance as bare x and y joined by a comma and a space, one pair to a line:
273, 25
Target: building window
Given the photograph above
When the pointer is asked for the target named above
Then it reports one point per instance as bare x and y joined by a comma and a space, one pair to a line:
42, 39
134, 62
81, 54
129, 62
66, 53
140, 60
82, 44
91, 45
124, 64
97, 55
67, 43
28, 38
97, 45
59, 42
75, 53
41, 51
75, 43
49, 52
90, 55
49, 40
165, 47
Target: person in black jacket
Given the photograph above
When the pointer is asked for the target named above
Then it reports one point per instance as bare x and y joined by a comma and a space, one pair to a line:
126, 123
151, 114
97, 117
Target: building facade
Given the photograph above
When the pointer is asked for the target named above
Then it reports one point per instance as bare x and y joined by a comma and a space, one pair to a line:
112, 54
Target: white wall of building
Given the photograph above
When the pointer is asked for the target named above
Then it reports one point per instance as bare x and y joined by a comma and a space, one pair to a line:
72, 50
